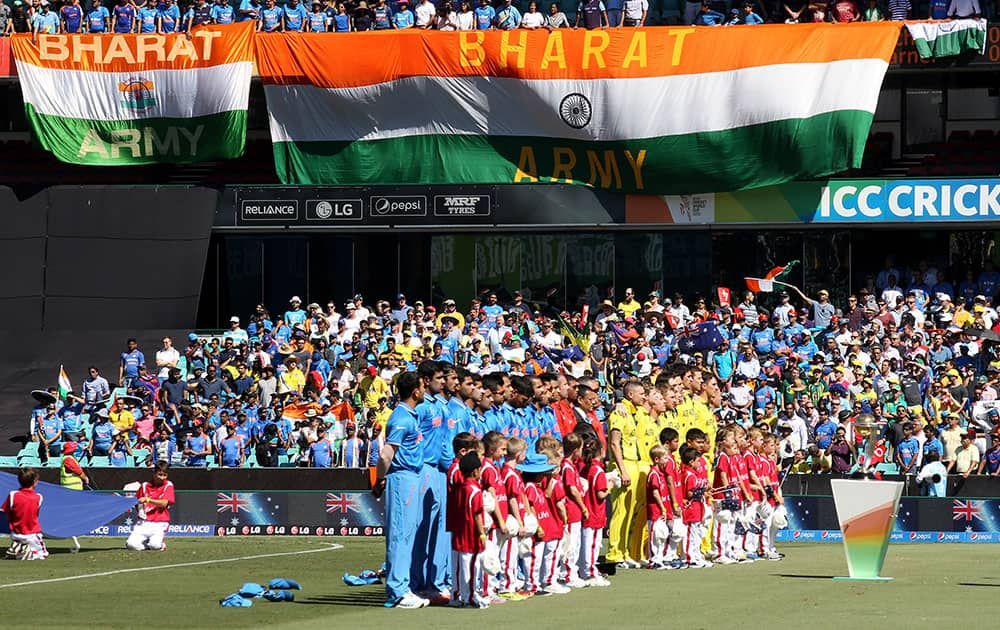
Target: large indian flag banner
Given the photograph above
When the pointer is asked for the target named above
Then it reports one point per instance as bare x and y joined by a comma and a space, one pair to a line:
661, 110
138, 99
948, 38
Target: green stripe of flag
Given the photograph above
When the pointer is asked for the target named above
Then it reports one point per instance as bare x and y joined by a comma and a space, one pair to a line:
143, 141
734, 159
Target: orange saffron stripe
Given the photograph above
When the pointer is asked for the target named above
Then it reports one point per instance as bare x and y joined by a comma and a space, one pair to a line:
209, 46
358, 59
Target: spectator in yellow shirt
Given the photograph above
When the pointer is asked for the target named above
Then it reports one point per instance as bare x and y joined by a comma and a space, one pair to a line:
629, 305
292, 380
121, 418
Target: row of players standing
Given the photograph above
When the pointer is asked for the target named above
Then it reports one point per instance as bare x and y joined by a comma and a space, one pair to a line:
412, 473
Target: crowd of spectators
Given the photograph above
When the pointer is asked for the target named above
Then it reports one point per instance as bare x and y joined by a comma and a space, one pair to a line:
168, 16
912, 349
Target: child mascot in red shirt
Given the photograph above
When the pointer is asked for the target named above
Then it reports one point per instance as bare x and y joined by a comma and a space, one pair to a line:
155, 498
21, 507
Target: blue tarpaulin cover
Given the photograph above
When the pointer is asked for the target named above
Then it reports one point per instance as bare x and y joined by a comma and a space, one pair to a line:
66, 513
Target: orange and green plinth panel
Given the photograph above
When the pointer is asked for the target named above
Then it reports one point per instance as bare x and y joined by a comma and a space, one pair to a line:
866, 511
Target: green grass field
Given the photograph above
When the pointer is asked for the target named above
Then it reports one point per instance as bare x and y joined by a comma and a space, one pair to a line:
934, 585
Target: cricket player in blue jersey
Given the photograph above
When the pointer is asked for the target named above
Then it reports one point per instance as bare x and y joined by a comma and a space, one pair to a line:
431, 551
397, 475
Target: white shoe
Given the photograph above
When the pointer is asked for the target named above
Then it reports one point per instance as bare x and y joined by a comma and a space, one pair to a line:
576, 583
412, 601
771, 555
598, 581
633, 564
724, 560
557, 589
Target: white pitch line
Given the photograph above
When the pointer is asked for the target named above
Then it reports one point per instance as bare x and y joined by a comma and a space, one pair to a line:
326, 547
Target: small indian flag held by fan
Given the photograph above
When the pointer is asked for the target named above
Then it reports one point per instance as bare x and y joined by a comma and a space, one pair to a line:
767, 283
64, 385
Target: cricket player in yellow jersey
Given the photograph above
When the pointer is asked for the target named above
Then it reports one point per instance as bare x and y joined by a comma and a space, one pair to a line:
624, 447
647, 423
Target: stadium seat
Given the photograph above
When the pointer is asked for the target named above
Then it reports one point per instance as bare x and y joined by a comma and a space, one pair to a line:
140, 454
8, 461
98, 461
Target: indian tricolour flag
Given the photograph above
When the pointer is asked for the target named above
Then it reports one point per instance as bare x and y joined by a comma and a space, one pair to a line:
660, 110
138, 99
948, 38
64, 385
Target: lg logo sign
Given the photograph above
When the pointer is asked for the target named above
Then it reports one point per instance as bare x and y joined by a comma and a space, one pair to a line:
334, 210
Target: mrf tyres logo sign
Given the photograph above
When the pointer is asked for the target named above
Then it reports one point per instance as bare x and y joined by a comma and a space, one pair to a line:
462, 206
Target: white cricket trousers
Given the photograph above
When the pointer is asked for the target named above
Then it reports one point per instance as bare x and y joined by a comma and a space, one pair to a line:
507, 580
691, 545
569, 566
147, 535
751, 541
590, 549
539, 565
468, 577
35, 544
657, 552
724, 537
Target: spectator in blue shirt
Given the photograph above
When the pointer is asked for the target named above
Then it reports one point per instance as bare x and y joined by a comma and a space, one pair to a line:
270, 18
404, 17
295, 16
249, 10
72, 17
124, 14
148, 15
381, 16
198, 447
932, 444
342, 22
508, 17
318, 23
170, 18
907, 451
485, 16
45, 21
749, 16
708, 17
97, 18
321, 451
101, 434
223, 13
